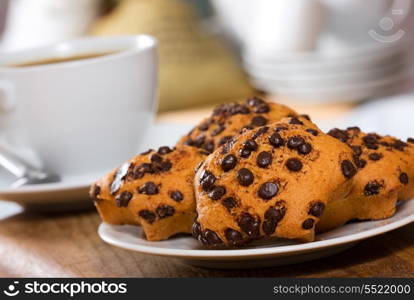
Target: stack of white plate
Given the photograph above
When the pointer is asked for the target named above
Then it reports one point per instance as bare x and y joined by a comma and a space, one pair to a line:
358, 73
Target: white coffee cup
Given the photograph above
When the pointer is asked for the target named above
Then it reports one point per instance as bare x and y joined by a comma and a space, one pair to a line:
83, 116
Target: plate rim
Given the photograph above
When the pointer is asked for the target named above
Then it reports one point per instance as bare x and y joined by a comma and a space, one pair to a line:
253, 252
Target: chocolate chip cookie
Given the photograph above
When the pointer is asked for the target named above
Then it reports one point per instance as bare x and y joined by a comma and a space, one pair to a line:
154, 190
386, 175
274, 181
228, 119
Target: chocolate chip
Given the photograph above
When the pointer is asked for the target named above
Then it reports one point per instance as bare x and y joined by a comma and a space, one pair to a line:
372, 146
164, 150
225, 148
268, 190
304, 149
280, 128
273, 216
360, 163
339, 134
164, 211
162, 166
295, 141
245, 177
260, 132
139, 171
219, 129
230, 109
348, 169
245, 153
306, 117
258, 121
217, 192
312, 131
202, 239
293, 164
196, 229
249, 224
255, 101
404, 178
189, 142
229, 203
308, 223
410, 140
177, 196
209, 146
204, 126
357, 150
228, 162
375, 156
241, 109
262, 108
372, 188
248, 147
199, 140
370, 139
354, 128
296, 121
225, 139
316, 209
146, 152
264, 159
123, 199
156, 158
212, 238
119, 177
165, 166
148, 188
147, 215
95, 191
207, 181
276, 140
399, 145
234, 237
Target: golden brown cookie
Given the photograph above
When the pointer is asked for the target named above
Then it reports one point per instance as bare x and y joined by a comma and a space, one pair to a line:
386, 175
154, 190
271, 181
228, 119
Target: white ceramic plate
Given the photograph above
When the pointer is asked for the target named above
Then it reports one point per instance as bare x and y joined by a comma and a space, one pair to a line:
280, 252
72, 191
334, 93
320, 77
304, 60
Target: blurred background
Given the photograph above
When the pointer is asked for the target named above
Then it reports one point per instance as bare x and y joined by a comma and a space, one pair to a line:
342, 61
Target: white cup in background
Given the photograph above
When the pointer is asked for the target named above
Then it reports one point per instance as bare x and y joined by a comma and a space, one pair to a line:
281, 26
84, 116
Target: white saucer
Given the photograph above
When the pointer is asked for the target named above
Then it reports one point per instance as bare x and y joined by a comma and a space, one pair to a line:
340, 93
188, 250
72, 191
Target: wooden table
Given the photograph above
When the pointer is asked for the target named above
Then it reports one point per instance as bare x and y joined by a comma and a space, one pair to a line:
67, 244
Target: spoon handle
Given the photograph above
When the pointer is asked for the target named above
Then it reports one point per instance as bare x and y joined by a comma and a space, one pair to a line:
12, 163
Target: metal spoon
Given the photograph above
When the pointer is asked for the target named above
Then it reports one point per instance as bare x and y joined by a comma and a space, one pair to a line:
25, 173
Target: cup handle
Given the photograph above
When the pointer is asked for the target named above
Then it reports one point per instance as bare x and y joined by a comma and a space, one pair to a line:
7, 99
